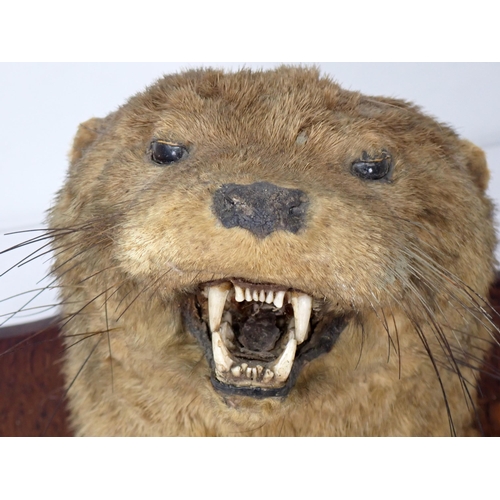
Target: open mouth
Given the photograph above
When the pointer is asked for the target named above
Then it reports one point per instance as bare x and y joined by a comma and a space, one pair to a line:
257, 337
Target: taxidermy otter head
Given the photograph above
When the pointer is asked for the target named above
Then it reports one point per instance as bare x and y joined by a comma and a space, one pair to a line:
265, 253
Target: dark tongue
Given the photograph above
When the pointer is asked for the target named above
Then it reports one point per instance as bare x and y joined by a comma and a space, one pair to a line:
260, 333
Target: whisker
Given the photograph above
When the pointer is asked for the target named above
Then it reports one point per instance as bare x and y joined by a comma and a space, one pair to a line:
109, 343
397, 342
472, 311
86, 336
363, 333
142, 291
27, 259
70, 386
74, 315
22, 308
54, 287
428, 350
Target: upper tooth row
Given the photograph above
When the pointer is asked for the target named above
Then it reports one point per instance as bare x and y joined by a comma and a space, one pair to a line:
301, 303
268, 297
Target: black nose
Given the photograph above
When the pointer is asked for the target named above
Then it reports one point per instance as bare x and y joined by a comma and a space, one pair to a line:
261, 208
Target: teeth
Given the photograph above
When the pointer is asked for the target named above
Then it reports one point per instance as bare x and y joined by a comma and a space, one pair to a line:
227, 335
268, 375
302, 305
222, 359
239, 294
227, 318
252, 372
249, 295
278, 299
283, 365
223, 337
216, 299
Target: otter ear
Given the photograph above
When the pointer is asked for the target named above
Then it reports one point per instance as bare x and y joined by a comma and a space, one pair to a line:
476, 163
86, 134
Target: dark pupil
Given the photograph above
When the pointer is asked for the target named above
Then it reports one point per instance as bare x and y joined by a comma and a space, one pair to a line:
166, 153
372, 168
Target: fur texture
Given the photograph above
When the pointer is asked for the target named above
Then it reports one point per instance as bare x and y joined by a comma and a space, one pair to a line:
405, 259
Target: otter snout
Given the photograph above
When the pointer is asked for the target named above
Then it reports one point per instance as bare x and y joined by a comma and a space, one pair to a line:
261, 208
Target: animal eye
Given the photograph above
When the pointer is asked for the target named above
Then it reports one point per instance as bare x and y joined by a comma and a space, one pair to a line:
165, 152
372, 168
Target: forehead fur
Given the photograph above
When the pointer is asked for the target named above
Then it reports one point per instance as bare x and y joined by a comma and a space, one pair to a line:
289, 99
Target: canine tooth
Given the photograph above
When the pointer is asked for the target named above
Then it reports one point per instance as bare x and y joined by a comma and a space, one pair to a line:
248, 295
278, 299
270, 297
236, 371
268, 375
222, 359
255, 295
260, 369
244, 366
239, 294
227, 317
226, 333
262, 296
283, 365
302, 305
216, 299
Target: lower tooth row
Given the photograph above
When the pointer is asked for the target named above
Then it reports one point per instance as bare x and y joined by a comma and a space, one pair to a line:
224, 363
252, 372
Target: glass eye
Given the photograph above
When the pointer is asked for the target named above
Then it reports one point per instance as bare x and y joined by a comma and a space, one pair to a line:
372, 168
164, 153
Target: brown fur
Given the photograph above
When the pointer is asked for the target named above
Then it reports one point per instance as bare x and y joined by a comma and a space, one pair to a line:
406, 261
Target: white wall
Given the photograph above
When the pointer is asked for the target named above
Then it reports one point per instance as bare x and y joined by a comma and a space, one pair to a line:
41, 106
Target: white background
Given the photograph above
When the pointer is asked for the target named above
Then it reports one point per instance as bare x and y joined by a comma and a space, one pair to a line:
41, 106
